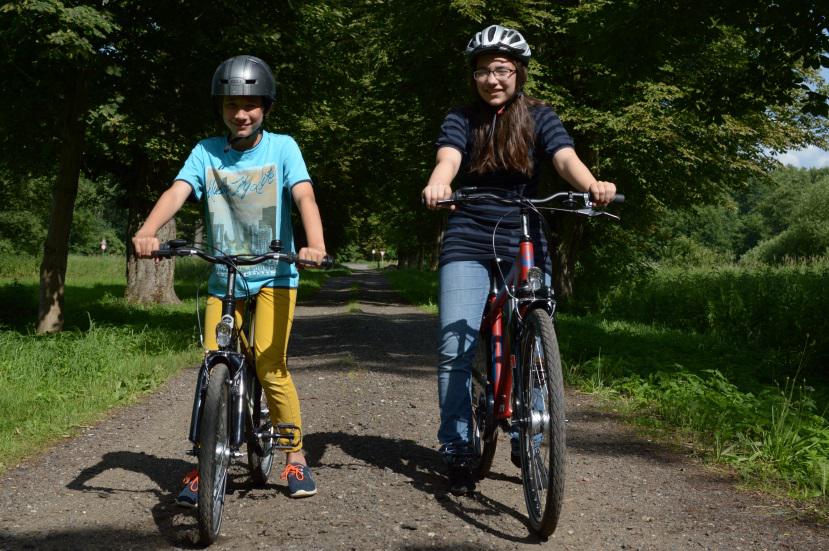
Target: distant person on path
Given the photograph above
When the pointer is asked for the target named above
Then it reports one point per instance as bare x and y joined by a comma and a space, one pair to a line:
501, 140
103, 246
241, 179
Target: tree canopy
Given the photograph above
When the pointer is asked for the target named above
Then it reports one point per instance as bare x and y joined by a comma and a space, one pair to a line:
676, 102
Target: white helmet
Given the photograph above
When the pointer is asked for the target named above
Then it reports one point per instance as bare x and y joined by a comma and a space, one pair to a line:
496, 38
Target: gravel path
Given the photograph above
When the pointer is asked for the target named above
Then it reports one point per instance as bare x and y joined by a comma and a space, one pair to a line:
364, 366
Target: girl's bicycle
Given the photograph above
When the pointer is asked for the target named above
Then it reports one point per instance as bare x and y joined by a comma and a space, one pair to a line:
228, 404
516, 376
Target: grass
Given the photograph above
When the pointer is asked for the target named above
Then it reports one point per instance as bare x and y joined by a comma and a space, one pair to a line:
734, 402
419, 288
111, 352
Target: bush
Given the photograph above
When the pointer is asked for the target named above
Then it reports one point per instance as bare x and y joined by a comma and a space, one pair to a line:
777, 307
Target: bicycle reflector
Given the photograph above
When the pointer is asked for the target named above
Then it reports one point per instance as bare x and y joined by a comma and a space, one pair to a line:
224, 331
535, 278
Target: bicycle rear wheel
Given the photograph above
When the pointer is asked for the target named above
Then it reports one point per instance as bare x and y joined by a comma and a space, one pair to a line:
484, 433
214, 454
260, 451
542, 431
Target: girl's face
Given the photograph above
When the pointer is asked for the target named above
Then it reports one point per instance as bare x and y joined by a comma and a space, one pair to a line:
495, 78
243, 115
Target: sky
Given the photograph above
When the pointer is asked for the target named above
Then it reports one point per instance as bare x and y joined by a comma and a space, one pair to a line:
811, 157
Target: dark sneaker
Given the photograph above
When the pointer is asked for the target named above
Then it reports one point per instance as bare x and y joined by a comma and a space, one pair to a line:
189, 495
300, 481
461, 479
515, 448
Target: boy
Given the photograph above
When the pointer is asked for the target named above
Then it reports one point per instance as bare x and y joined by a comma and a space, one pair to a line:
245, 180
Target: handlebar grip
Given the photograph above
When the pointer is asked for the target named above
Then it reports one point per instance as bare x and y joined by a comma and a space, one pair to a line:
327, 262
164, 251
618, 198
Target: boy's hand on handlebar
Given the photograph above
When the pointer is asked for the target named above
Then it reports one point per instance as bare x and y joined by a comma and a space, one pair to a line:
144, 245
434, 193
602, 193
311, 254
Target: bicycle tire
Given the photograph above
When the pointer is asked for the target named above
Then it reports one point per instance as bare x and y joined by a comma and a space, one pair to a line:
214, 454
260, 453
542, 426
484, 431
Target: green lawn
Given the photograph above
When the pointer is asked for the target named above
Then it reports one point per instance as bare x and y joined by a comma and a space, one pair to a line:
110, 353
734, 401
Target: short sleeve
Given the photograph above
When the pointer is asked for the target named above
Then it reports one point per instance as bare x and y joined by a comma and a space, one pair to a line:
193, 171
551, 132
293, 165
454, 131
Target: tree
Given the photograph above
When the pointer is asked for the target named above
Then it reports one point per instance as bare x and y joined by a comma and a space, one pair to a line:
53, 50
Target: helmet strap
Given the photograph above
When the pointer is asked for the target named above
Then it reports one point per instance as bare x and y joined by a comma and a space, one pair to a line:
231, 141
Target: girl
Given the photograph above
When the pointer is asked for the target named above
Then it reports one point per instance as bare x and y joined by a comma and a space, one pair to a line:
499, 141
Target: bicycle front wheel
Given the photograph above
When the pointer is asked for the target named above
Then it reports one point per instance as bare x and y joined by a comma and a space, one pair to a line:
542, 432
214, 454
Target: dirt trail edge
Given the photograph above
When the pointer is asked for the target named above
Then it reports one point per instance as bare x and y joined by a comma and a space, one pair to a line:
364, 366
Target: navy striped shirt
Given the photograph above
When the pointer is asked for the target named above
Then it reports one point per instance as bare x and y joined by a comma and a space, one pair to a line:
469, 233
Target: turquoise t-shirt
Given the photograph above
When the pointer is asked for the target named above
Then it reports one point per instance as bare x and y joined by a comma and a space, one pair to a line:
247, 203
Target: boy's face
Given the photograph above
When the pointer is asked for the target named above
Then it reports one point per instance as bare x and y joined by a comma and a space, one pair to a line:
243, 115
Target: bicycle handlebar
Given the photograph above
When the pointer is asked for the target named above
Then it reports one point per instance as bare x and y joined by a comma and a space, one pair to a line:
571, 201
178, 247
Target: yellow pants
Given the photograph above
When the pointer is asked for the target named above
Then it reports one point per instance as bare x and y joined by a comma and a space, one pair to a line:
271, 329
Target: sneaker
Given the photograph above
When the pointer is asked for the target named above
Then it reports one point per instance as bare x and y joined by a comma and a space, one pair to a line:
515, 448
300, 481
189, 495
461, 479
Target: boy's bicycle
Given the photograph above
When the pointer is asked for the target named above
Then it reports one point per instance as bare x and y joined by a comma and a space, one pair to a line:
516, 375
227, 406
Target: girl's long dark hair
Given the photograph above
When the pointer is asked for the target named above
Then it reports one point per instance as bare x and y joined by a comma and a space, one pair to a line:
509, 146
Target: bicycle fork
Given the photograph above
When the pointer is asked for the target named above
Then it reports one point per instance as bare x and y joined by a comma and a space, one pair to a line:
236, 394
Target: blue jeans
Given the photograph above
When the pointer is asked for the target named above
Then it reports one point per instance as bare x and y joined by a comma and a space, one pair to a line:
464, 286
462, 296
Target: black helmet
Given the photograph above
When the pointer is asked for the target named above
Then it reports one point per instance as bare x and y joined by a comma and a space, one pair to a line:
496, 38
244, 75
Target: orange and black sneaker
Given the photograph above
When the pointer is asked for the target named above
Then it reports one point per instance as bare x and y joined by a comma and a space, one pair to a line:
300, 481
189, 495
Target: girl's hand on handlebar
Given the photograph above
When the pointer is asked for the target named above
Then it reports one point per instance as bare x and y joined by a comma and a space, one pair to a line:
602, 193
434, 193
311, 254
144, 245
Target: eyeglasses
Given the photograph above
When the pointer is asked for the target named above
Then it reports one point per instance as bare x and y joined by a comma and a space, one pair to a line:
501, 73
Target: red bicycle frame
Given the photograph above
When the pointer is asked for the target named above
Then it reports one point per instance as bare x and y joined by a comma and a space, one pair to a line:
493, 322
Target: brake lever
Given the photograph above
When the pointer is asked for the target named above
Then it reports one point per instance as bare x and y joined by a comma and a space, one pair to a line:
593, 213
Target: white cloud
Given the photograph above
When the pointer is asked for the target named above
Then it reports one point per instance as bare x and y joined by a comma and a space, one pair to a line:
811, 157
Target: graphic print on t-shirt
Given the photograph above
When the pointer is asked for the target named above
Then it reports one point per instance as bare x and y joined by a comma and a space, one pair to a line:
242, 214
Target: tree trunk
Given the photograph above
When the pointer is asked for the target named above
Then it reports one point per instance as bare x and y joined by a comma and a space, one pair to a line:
148, 281
570, 231
56, 247
198, 238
